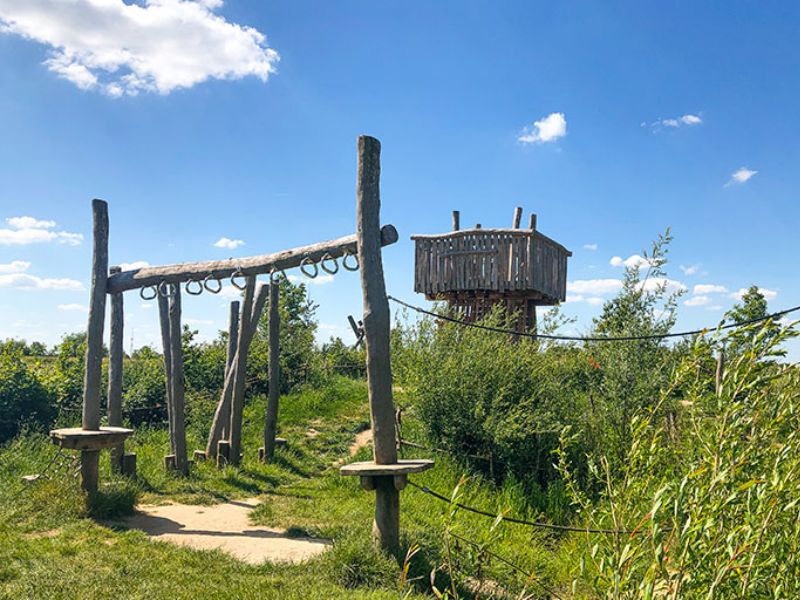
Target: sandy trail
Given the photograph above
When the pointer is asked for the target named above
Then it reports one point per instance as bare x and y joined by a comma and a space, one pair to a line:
223, 527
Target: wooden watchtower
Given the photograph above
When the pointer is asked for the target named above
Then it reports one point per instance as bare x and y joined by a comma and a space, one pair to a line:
476, 269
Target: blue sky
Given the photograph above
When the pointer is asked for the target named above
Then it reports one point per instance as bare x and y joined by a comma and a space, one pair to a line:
203, 120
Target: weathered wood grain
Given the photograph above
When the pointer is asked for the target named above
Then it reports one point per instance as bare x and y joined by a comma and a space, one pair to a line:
177, 382
248, 266
271, 419
115, 356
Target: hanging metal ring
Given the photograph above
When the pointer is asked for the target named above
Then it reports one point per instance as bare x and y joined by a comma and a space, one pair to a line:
327, 258
165, 289
214, 290
144, 289
192, 292
350, 267
238, 274
275, 273
304, 265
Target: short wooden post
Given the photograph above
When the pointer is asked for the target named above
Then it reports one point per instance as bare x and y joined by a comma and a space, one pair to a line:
456, 220
166, 346
223, 453
90, 460
517, 217
115, 356
271, 419
239, 374
177, 383
386, 527
532, 222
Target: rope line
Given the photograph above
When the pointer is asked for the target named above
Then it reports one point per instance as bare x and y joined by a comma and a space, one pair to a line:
531, 577
538, 524
577, 338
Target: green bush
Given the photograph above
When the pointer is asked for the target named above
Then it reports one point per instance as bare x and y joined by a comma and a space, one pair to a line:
23, 398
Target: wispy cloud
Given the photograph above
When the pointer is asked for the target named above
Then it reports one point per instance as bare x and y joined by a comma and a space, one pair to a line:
121, 47
698, 301
740, 176
24, 281
687, 120
690, 270
73, 307
132, 266
547, 129
633, 261
709, 288
591, 247
228, 243
15, 266
594, 287
27, 230
321, 279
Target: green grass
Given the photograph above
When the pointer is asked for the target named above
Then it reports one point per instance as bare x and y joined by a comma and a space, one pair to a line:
51, 548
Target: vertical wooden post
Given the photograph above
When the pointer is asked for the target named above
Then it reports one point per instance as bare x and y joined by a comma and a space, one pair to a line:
177, 383
532, 222
115, 355
90, 460
239, 374
517, 217
271, 420
166, 346
233, 341
456, 220
386, 527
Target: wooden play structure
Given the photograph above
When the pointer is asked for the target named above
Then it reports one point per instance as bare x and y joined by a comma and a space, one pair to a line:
475, 269
386, 474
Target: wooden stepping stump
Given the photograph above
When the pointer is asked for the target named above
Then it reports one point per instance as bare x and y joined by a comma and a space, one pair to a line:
371, 472
89, 442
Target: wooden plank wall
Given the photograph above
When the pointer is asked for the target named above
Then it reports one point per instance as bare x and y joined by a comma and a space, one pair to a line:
497, 261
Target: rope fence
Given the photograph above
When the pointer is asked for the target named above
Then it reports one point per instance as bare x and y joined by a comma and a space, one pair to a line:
537, 524
575, 338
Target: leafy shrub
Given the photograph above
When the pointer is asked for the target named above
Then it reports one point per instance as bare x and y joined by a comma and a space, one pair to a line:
23, 398
144, 388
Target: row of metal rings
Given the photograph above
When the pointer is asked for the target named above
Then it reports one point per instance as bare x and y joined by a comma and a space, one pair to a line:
213, 285
328, 264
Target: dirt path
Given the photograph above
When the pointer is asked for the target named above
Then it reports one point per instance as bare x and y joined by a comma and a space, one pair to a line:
362, 439
225, 527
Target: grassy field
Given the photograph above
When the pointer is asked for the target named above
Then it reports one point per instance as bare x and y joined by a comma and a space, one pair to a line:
51, 548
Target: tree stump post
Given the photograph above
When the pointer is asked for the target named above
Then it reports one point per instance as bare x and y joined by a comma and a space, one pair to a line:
239, 374
115, 356
233, 342
90, 421
166, 346
386, 526
177, 382
271, 419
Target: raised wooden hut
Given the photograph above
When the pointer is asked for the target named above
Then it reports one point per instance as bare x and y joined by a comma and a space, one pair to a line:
476, 269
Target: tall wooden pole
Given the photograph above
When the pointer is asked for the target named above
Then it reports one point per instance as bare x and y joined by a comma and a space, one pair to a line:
456, 220
90, 459
177, 382
166, 346
271, 420
233, 341
239, 374
386, 527
115, 356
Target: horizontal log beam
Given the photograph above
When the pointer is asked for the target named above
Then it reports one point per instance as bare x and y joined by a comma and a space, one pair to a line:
253, 265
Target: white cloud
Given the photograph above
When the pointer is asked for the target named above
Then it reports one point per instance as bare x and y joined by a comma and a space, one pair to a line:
591, 247
29, 223
320, 279
768, 294
548, 129
594, 300
132, 266
198, 321
633, 261
675, 122
73, 307
15, 266
25, 281
596, 287
698, 301
671, 286
741, 176
224, 242
690, 270
146, 46
27, 230
708, 288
